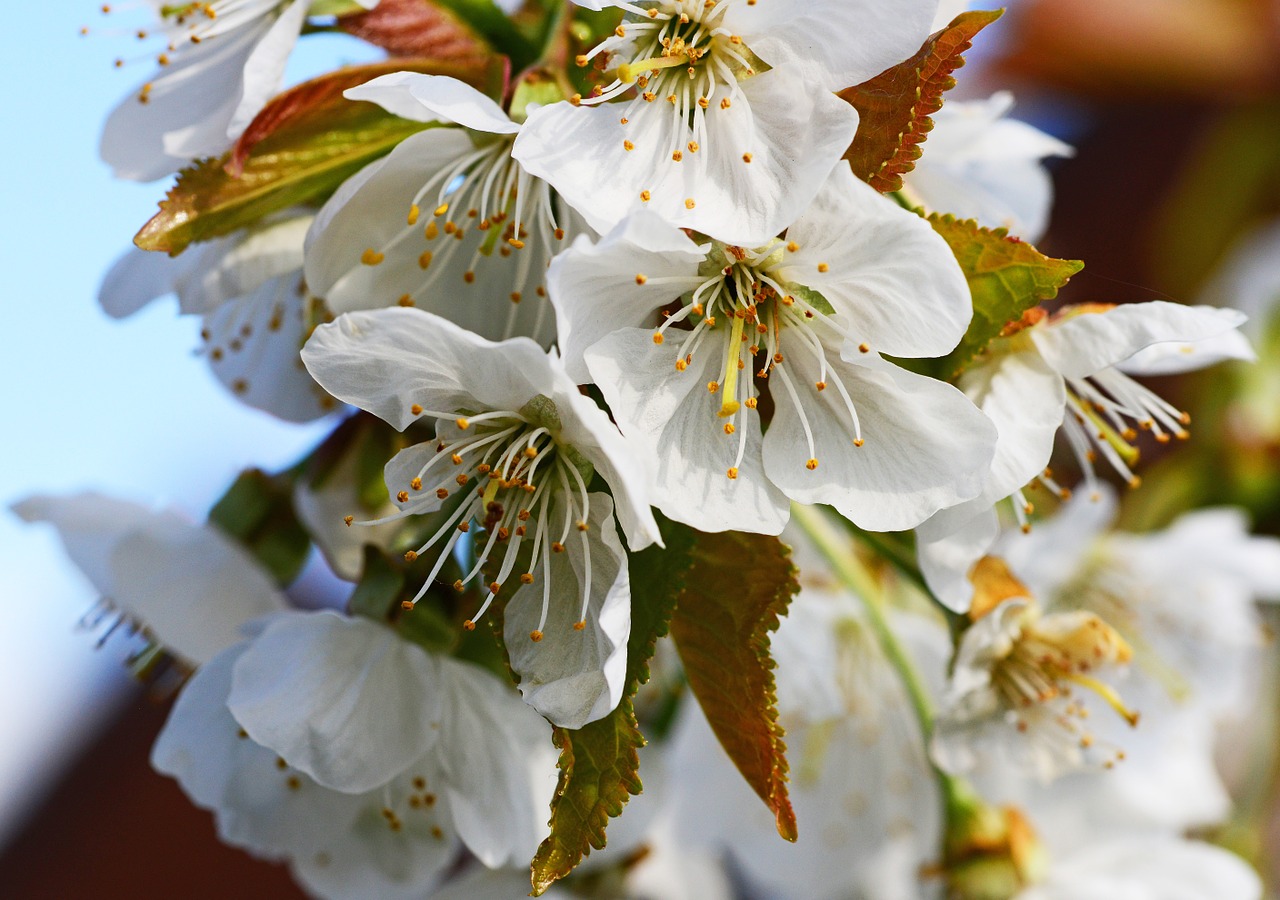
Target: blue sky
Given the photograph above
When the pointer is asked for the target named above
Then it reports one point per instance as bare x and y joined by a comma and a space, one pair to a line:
120, 407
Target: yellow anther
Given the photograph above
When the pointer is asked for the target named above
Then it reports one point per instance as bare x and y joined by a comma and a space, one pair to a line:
347, 520
371, 257
442, 209
732, 473
535, 636
811, 465
414, 212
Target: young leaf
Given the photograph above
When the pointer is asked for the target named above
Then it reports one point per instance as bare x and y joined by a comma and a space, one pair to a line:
737, 588
895, 106
1006, 277
257, 510
416, 28
301, 146
599, 764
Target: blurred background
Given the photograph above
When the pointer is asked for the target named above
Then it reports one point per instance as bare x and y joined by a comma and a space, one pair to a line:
1173, 107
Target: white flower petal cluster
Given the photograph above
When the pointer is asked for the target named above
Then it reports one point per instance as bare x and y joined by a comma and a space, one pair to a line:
692, 337
448, 222
359, 758
1071, 373
220, 63
188, 587
255, 311
517, 447
724, 122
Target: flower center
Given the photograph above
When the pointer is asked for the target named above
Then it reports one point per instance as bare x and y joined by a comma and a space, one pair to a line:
506, 466
486, 193
1048, 657
741, 310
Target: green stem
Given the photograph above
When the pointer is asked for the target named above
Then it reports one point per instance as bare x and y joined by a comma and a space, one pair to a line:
839, 554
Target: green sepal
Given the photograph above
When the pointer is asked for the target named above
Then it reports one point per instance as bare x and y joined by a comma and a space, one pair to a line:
599, 763
257, 510
1007, 277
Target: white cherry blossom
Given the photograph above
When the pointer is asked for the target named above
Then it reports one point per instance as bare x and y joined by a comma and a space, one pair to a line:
361, 759
517, 447
220, 62
687, 340
255, 311
447, 222
725, 121
980, 164
1071, 373
188, 587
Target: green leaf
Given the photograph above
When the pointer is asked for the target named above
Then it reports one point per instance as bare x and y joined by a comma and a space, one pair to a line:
599, 763
735, 592
326, 8
298, 150
895, 106
257, 510
1006, 276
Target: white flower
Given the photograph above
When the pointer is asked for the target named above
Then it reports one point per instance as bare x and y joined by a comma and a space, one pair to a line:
255, 311
448, 222
221, 62
187, 586
1017, 695
522, 443
798, 322
978, 164
1070, 371
361, 759
732, 128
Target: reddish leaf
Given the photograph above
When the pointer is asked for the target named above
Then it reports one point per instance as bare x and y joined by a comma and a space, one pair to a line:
895, 106
303, 145
416, 28
738, 587
599, 763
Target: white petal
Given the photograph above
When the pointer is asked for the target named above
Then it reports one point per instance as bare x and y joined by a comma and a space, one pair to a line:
574, 677
1149, 868
387, 360
264, 69
946, 560
1056, 549
138, 277
672, 419
595, 287
191, 586
926, 446
346, 701
794, 135
1174, 358
188, 108
838, 42
498, 764
1086, 343
434, 98
244, 263
881, 267
256, 807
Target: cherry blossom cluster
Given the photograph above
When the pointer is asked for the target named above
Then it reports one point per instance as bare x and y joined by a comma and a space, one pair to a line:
637, 290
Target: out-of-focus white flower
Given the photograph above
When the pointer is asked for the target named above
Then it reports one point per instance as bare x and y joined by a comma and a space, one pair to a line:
1019, 692
1070, 371
255, 311
730, 127
187, 586
448, 222
360, 758
980, 164
867, 804
684, 337
221, 62
517, 446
